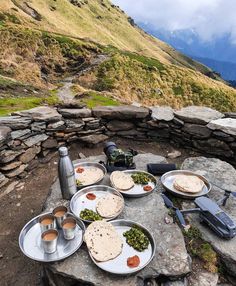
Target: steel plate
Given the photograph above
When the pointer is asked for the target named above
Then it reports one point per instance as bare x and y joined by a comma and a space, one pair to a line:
118, 265
30, 242
89, 164
168, 178
137, 190
79, 201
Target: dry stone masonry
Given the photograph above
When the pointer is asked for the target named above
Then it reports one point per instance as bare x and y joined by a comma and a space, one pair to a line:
29, 135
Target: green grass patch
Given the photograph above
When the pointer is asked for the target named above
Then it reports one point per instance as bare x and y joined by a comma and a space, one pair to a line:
178, 90
94, 99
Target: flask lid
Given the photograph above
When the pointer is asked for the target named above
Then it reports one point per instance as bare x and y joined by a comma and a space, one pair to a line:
63, 151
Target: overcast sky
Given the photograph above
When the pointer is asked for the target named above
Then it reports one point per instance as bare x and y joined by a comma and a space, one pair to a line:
209, 18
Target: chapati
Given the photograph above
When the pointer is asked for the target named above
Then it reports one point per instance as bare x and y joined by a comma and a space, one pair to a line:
102, 240
109, 205
121, 181
90, 175
188, 184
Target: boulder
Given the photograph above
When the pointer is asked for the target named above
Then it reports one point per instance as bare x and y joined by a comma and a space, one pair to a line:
223, 175
75, 113
19, 133
41, 113
4, 133
198, 114
29, 154
10, 166
15, 172
8, 155
162, 113
15, 122
35, 139
93, 138
120, 112
198, 131
117, 125
227, 125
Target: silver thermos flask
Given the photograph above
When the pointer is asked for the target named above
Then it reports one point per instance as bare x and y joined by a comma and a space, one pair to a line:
66, 174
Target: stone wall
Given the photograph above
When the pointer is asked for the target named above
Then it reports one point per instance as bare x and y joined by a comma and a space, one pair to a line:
28, 137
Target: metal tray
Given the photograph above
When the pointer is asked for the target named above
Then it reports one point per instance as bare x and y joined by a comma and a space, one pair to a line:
79, 201
137, 190
168, 178
118, 265
89, 164
30, 242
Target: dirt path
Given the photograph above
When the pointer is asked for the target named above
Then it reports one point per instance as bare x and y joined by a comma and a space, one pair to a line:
64, 93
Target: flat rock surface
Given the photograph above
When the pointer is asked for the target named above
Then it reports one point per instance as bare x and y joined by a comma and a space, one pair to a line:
165, 113
75, 113
198, 114
120, 112
15, 122
170, 259
223, 175
227, 125
4, 132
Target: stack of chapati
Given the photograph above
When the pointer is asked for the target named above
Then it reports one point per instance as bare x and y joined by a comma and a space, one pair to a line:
121, 181
109, 205
188, 184
102, 240
90, 175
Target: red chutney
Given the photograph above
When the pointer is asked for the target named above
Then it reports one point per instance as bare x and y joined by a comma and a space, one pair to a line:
147, 188
91, 196
133, 261
79, 170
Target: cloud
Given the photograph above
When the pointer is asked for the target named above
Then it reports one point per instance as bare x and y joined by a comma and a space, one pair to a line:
210, 19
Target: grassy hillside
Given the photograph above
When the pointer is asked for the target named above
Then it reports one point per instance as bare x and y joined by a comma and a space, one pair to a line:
43, 41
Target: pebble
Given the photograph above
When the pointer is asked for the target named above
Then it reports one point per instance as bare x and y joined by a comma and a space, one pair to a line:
18, 204
174, 154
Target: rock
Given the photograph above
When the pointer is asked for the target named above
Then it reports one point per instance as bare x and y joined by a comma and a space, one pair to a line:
38, 126
230, 114
49, 143
4, 133
32, 165
223, 175
16, 144
3, 180
178, 122
10, 166
117, 125
74, 125
162, 113
203, 278
120, 112
9, 189
19, 133
174, 154
35, 139
56, 126
159, 134
227, 125
71, 104
198, 114
198, 131
41, 113
171, 258
214, 146
93, 139
29, 154
8, 155
15, 122
75, 113
16, 172
223, 136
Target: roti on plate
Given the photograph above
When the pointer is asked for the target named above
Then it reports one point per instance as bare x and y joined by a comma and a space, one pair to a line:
102, 240
90, 175
121, 181
109, 205
188, 184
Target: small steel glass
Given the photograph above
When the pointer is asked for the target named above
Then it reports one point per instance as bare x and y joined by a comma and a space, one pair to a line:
49, 245
69, 232
60, 218
46, 226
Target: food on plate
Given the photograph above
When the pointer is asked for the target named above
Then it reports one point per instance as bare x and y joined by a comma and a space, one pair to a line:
141, 178
121, 180
109, 205
188, 184
79, 170
136, 238
89, 176
91, 196
133, 261
147, 188
87, 214
103, 241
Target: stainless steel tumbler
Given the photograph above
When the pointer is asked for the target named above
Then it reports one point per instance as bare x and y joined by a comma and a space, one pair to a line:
47, 222
69, 228
60, 214
49, 240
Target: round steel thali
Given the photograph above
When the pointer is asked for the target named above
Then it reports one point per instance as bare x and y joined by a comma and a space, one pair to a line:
118, 265
31, 245
168, 178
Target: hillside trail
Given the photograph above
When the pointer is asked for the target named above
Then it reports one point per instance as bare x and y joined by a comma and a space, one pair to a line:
65, 93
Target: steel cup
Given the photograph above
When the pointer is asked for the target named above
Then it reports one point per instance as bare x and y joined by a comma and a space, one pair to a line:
68, 227
49, 240
60, 214
47, 222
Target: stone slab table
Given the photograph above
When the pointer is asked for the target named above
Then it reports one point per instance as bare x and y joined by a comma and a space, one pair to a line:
171, 258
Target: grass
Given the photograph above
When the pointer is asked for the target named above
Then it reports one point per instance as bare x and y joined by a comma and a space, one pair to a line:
93, 99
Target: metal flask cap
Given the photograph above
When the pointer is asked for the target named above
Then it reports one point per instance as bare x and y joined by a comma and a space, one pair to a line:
63, 151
